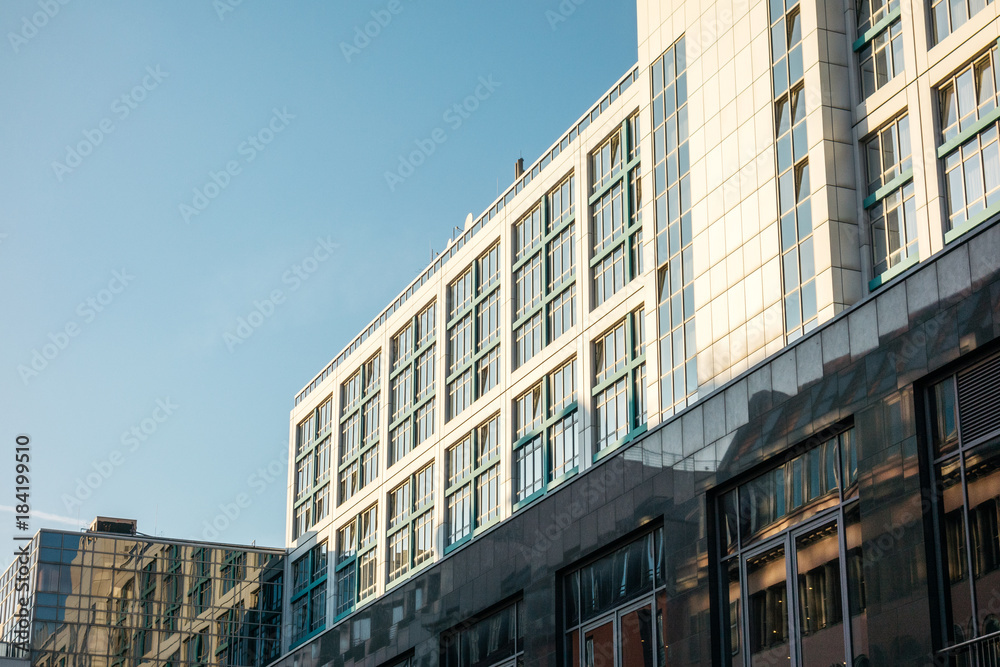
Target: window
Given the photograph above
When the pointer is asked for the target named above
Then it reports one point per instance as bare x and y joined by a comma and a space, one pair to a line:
412, 385
359, 433
619, 384
200, 592
880, 43
890, 204
969, 129
965, 450
356, 562
784, 535
616, 227
545, 434
674, 252
472, 487
494, 639
950, 15
410, 529
309, 594
474, 332
616, 607
545, 272
313, 437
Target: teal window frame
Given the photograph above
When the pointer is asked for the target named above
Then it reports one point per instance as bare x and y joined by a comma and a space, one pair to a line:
417, 509
678, 357
476, 473
878, 31
422, 343
484, 288
350, 559
625, 175
633, 371
884, 185
173, 585
312, 434
317, 556
200, 592
543, 435
542, 250
364, 455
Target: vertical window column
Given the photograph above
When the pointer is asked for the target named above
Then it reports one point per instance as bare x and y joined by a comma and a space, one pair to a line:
359, 429
410, 530
616, 227
412, 388
678, 351
879, 44
473, 332
545, 272
472, 492
545, 442
620, 384
309, 594
356, 561
798, 266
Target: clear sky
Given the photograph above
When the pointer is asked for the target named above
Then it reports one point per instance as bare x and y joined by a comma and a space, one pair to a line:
166, 168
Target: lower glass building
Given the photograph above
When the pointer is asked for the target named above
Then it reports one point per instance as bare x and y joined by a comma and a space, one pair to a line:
113, 599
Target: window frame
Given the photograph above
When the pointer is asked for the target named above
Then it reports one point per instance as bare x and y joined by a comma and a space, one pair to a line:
478, 470
315, 583
349, 559
634, 375
421, 342
408, 522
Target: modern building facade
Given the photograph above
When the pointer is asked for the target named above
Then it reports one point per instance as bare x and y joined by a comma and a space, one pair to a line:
711, 383
109, 597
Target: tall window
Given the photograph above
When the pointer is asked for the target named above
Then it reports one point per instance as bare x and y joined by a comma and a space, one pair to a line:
473, 482
359, 429
798, 266
411, 382
620, 384
891, 205
496, 640
674, 253
970, 122
410, 529
615, 205
791, 562
879, 45
545, 438
313, 438
950, 15
616, 607
356, 561
965, 449
309, 594
545, 272
474, 332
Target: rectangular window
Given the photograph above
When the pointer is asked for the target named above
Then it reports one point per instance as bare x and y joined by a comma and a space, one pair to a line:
355, 566
410, 532
359, 429
950, 15
891, 204
619, 383
881, 56
497, 639
412, 385
472, 474
309, 593
614, 232
971, 156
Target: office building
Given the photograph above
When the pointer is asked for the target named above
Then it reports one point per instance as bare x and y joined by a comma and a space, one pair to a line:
713, 382
111, 597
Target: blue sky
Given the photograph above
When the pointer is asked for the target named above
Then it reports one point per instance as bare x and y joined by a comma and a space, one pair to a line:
170, 168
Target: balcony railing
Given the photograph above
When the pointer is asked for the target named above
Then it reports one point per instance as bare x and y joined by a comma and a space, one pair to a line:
979, 652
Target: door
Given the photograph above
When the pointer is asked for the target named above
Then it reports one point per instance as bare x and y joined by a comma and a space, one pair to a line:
621, 639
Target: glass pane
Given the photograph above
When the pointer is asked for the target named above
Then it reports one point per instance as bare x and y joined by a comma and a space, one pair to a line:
857, 595
661, 629
599, 646
955, 564
637, 638
982, 479
768, 608
817, 557
734, 639
944, 417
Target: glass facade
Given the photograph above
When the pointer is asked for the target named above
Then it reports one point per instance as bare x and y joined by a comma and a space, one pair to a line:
102, 600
